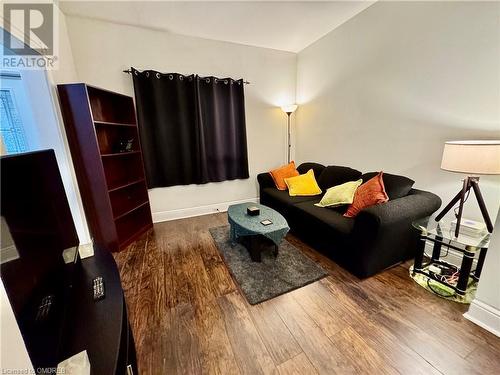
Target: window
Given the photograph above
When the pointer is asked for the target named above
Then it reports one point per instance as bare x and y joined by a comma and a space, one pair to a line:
11, 126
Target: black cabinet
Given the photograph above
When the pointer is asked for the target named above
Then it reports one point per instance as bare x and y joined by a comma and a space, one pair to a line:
100, 327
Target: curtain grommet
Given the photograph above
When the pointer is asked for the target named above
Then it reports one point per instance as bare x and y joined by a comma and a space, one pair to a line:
136, 72
170, 77
158, 75
207, 80
225, 81
147, 74
181, 78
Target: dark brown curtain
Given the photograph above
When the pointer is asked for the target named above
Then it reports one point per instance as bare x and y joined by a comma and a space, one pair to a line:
192, 128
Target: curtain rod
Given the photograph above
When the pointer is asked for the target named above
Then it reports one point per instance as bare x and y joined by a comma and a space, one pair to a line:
128, 71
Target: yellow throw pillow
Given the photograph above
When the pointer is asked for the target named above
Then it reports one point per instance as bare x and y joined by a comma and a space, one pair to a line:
304, 184
340, 194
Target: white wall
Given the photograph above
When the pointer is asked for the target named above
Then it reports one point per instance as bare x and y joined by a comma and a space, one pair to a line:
66, 71
101, 50
56, 136
13, 355
485, 308
384, 90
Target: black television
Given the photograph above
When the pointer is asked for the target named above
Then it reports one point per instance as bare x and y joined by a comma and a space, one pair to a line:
38, 250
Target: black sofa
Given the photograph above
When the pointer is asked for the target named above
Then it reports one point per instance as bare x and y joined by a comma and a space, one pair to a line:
380, 236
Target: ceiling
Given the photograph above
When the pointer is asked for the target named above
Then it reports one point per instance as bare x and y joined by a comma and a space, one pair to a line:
281, 25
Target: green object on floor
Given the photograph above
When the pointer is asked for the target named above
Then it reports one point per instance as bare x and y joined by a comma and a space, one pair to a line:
444, 291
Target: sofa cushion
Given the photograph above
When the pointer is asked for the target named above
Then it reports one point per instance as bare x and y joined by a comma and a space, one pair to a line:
282, 196
335, 175
395, 186
316, 167
370, 193
303, 185
282, 202
340, 195
285, 171
318, 218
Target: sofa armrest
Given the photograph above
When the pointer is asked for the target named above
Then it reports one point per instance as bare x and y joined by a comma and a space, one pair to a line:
383, 235
265, 180
417, 204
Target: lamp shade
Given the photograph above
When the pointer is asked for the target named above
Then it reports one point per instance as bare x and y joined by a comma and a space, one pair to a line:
473, 157
290, 108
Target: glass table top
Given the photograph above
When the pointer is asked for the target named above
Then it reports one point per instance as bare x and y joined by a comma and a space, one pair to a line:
445, 231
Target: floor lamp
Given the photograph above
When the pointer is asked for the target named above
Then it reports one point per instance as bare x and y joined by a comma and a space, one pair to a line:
289, 109
472, 158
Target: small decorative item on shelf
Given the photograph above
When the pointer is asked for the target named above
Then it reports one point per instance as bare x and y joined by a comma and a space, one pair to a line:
253, 211
125, 145
266, 222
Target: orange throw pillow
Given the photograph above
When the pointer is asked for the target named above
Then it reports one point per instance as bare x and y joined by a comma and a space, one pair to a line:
370, 193
279, 175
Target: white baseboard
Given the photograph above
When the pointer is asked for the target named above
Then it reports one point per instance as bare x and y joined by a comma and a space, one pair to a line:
484, 316
197, 211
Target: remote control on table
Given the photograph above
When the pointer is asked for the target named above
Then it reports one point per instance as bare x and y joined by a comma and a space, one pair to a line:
98, 287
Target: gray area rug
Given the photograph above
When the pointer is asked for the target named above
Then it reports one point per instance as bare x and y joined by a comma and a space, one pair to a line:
273, 276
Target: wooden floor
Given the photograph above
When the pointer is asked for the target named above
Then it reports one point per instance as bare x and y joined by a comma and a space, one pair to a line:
188, 317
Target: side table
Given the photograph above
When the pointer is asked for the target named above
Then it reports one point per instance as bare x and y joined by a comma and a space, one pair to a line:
441, 234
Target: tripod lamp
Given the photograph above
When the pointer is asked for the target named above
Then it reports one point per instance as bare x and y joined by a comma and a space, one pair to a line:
289, 109
472, 158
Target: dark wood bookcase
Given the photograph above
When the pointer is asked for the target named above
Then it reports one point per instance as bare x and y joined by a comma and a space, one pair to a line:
111, 181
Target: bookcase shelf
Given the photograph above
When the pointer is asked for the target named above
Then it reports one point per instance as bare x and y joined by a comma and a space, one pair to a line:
106, 123
130, 211
126, 185
127, 153
99, 123
130, 226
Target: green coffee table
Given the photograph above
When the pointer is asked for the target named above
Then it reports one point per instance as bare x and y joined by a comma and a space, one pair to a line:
251, 233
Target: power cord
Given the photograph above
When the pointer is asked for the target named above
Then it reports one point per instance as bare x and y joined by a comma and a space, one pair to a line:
456, 208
